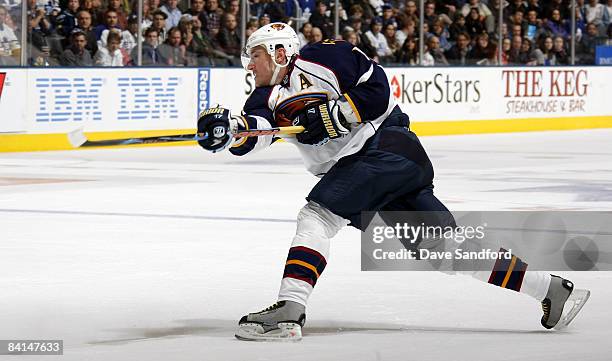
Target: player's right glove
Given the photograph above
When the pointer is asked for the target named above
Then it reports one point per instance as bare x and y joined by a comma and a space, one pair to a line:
322, 122
216, 126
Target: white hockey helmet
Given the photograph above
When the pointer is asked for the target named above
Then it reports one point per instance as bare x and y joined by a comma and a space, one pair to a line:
270, 37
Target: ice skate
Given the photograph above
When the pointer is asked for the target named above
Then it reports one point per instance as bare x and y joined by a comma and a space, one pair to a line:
282, 321
562, 303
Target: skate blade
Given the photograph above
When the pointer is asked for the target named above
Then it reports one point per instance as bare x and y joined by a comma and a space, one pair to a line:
255, 332
572, 306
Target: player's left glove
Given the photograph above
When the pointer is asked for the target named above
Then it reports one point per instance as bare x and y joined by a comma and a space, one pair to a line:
322, 122
217, 127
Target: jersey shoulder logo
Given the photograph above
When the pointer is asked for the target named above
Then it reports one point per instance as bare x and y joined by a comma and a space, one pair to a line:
2, 77
304, 82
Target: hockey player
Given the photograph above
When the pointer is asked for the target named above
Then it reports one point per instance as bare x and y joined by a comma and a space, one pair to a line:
358, 141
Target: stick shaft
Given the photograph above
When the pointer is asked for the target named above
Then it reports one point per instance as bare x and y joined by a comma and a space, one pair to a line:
78, 139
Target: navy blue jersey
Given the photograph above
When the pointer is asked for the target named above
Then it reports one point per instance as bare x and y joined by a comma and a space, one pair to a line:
324, 71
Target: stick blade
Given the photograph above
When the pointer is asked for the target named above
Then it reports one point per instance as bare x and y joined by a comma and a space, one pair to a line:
77, 138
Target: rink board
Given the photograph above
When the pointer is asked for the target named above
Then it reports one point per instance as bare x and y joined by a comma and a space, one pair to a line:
39, 106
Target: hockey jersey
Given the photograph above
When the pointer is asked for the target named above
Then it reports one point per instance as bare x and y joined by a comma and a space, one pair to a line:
323, 71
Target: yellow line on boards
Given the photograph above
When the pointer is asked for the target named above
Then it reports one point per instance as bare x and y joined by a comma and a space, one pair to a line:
510, 125
59, 141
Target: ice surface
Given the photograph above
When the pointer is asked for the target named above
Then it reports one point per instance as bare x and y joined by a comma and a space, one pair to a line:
155, 253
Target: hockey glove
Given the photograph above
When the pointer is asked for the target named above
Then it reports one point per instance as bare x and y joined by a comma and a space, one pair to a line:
215, 124
322, 122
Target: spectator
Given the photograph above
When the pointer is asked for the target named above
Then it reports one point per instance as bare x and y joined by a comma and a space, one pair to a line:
147, 16
84, 24
115, 5
411, 11
362, 40
561, 56
517, 5
479, 50
490, 55
556, 26
526, 56
517, 30
129, 37
150, 56
556, 5
408, 53
457, 27
307, 6
304, 34
484, 13
506, 48
515, 50
597, 14
110, 55
343, 20
388, 16
391, 39
174, 13
316, 35
186, 28
430, 15
159, 24
534, 5
544, 54
251, 26
94, 10
264, 20
213, 18
203, 48
154, 5
350, 36
322, 19
518, 18
494, 7
10, 50
66, 21
428, 59
234, 8
76, 54
474, 24
173, 51
535, 28
111, 22
609, 13
440, 32
228, 38
197, 10
586, 47
458, 53
408, 30
433, 46
40, 29
276, 10
257, 8
378, 41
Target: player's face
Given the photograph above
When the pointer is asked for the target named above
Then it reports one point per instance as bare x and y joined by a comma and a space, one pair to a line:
261, 66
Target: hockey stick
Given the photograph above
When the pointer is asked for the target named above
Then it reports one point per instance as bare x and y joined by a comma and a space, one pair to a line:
78, 139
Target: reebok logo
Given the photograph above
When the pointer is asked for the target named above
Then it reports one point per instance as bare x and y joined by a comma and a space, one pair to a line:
2, 77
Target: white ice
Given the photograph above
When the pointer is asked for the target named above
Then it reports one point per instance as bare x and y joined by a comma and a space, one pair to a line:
155, 253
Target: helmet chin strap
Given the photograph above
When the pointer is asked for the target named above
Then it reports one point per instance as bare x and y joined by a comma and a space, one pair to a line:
277, 68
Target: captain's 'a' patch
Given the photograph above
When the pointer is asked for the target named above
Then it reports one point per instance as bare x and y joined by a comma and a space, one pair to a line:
304, 82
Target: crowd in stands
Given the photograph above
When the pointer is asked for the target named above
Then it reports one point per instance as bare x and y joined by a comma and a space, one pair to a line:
207, 32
